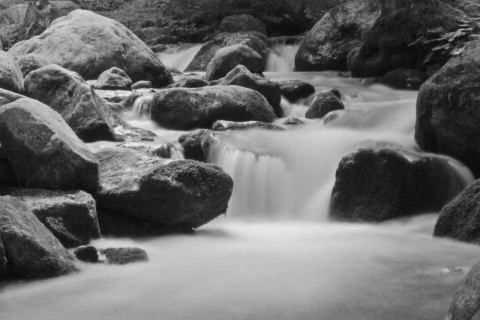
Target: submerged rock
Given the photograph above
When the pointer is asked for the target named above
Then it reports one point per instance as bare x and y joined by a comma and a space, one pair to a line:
378, 183
294, 90
114, 79
32, 250
222, 125
466, 302
323, 103
242, 22
86, 254
186, 109
124, 255
31, 62
192, 144
11, 77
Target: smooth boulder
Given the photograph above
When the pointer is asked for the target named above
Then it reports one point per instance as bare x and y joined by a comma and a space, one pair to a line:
31, 62
324, 103
43, 150
32, 251
294, 90
11, 77
466, 302
186, 109
242, 22
114, 79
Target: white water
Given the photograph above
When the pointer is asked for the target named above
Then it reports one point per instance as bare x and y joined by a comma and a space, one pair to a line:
275, 255
282, 58
179, 56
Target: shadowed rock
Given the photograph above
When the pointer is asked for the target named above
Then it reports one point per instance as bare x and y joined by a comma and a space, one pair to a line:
294, 90
11, 77
323, 103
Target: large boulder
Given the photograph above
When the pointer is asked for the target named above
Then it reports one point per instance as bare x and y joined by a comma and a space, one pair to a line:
460, 219
226, 59
294, 90
42, 149
448, 110
86, 113
31, 62
186, 109
70, 215
172, 193
89, 44
114, 79
466, 302
327, 45
242, 22
322, 104
11, 77
32, 250
385, 182
241, 76
254, 40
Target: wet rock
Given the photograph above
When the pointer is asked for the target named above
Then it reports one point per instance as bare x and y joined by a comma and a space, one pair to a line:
222, 125
32, 250
173, 193
42, 149
84, 111
242, 22
86, 254
384, 182
114, 79
186, 109
226, 59
407, 79
142, 85
241, 76
327, 45
31, 62
466, 302
293, 122
447, 110
323, 103
70, 215
89, 44
294, 90
192, 144
190, 82
124, 255
11, 78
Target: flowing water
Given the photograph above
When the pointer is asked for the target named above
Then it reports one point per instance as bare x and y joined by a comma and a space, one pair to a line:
275, 255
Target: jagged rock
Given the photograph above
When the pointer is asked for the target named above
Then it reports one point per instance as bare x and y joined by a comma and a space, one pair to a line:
142, 85
11, 78
87, 254
89, 44
114, 79
42, 149
192, 144
124, 255
323, 103
222, 125
242, 22
32, 250
294, 90
31, 62
173, 193
70, 215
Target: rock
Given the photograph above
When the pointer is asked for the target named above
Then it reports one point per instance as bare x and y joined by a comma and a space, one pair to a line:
32, 250
3, 263
323, 103
89, 44
294, 90
31, 62
242, 22
84, 111
8, 96
152, 32
42, 149
114, 79
410, 79
186, 109
7, 176
192, 144
11, 78
293, 122
327, 45
254, 40
173, 193
142, 85
190, 82
447, 109
124, 255
384, 182
158, 48
164, 151
466, 302
222, 125
164, 39
70, 215
241, 76
86, 254
228, 58
460, 219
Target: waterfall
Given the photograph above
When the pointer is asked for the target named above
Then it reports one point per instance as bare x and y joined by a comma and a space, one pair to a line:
282, 54
141, 109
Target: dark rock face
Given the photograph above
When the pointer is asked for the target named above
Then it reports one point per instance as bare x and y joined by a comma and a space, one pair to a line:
447, 110
222, 125
173, 193
192, 144
190, 82
460, 219
466, 302
323, 103
89, 44
124, 255
226, 59
327, 45
42, 149
294, 90
114, 79
31, 62
254, 40
409, 79
11, 78
242, 22
186, 109
86, 254
70, 215
84, 111
241, 76
32, 251
380, 183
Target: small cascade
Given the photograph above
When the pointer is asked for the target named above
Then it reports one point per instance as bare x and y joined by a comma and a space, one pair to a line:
282, 54
141, 108
179, 56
